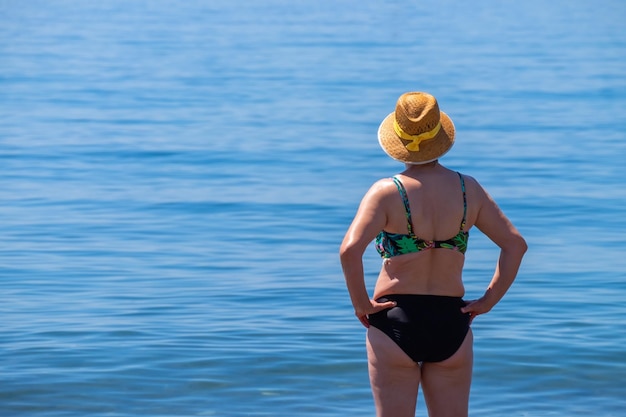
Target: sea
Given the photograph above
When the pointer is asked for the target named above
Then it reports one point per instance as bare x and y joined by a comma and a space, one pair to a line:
176, 178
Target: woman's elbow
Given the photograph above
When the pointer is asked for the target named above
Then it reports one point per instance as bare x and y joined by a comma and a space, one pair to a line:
518, 245
349, 251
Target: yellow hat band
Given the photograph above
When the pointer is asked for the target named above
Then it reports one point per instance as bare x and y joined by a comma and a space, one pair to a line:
414, 145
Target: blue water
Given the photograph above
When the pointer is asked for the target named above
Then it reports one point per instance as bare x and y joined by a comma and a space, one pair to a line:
176, 177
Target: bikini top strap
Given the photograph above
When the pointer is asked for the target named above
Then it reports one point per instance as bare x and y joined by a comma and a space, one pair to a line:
405, 201
464, 201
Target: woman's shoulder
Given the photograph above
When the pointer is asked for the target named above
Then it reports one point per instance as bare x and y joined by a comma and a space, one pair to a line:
469, 180
384, 185
475, 191
474, 188
381, 190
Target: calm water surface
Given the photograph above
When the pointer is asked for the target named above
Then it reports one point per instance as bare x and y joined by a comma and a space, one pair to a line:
175, 179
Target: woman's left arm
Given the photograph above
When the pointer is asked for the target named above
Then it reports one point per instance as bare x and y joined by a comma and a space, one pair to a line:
497, 227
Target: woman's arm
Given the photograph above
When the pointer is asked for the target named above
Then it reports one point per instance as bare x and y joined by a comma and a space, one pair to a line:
497, 227
370, 219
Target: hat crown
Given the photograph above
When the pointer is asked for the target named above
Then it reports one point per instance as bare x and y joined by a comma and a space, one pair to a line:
417, 113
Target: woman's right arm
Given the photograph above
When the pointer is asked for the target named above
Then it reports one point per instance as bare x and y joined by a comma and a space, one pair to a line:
497, 227
369, 220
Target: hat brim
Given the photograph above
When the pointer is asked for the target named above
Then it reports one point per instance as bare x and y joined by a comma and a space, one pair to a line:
430, 150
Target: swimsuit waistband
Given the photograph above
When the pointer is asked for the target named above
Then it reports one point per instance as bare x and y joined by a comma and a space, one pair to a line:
421, 298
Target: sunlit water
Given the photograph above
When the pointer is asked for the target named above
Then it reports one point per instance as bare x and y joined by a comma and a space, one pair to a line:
176, 178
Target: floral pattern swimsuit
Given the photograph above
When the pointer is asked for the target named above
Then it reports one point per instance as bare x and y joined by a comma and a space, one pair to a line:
393, 244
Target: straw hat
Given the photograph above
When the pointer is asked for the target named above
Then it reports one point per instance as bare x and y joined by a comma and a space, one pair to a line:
417, 132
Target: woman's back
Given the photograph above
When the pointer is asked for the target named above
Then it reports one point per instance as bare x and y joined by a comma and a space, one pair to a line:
433, 219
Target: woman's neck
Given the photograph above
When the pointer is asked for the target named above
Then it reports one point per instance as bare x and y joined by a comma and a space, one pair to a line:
422, 167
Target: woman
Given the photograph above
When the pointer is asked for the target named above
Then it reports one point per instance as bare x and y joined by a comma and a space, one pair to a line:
418, 326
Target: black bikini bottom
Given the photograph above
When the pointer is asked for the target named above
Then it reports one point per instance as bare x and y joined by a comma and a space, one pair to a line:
428, 328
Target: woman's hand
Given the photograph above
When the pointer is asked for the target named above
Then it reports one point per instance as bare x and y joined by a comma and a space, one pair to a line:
476, 307
374, 307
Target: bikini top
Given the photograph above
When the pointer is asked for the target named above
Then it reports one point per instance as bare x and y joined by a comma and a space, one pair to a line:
393, 244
